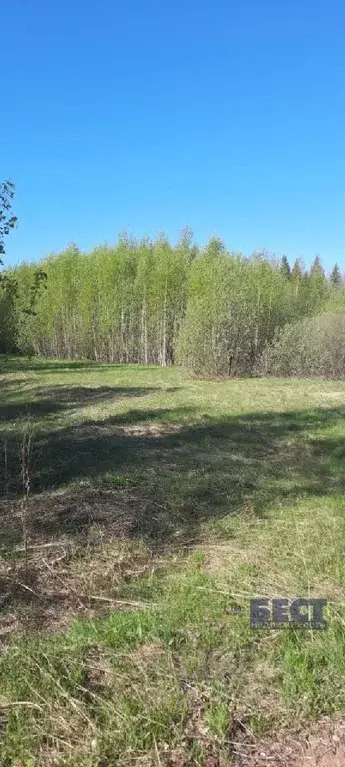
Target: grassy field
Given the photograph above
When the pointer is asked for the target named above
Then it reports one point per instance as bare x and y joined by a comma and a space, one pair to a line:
140, 511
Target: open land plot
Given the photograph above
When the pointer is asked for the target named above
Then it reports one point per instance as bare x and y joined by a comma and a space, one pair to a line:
140, 511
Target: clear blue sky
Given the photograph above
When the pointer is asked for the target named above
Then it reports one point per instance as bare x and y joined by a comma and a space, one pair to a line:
151, 115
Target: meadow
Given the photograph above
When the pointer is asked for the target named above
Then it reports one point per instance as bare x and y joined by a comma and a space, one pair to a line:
141, 509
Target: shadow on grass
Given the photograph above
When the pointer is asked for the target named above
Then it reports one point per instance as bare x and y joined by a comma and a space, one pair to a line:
55, 399
17, 364
146, 474
12, 386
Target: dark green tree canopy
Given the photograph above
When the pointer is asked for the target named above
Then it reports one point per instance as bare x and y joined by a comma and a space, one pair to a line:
335, 276
285, 267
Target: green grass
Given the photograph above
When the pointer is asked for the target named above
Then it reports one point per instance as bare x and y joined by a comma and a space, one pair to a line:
158, 504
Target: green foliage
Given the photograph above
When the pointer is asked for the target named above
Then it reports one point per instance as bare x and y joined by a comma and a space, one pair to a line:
122, 304
285, 267
234, 306
311, 347
335, 276
146, 301
317, 268
7, 284
7, 220
10, 319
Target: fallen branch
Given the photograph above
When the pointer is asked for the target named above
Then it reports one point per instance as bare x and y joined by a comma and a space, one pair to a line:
44, 545
55, 575
143, 605
21, 703
109, 600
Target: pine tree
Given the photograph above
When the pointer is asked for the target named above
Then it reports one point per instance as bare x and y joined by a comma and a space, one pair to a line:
317, 268
316, 288
297, 272
335, 276
285, 267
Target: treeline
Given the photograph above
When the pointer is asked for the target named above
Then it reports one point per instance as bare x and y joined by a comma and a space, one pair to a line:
147, 301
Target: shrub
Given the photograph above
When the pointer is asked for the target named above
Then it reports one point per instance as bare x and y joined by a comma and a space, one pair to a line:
314, 346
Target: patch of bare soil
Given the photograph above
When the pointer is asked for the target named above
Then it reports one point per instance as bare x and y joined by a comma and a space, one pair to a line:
157, 429
196, 737
68, 553
321, 746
